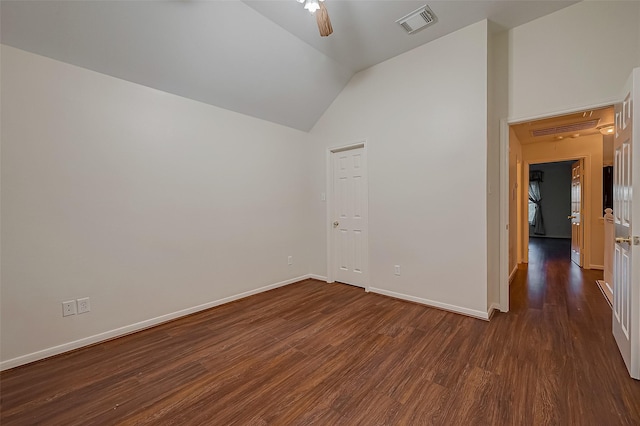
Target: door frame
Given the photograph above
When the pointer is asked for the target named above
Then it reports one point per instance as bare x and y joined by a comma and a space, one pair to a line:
505, 227
585, 205
329, 212
581, 234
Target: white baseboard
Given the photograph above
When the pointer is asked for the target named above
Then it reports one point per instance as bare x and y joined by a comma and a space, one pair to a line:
317, 277
599, 267
608, 287
513, 274
494, 307
132, 328
444, 306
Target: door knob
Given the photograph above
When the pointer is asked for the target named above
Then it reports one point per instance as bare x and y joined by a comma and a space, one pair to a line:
335, 224
621, 240
571, 217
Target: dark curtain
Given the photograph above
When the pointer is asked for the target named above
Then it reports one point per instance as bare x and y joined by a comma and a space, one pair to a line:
535, 197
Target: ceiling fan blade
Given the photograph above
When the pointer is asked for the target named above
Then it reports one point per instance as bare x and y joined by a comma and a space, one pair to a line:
324, 23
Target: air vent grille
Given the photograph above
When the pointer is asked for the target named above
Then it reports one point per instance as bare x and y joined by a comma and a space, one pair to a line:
426, 16
418, 19
569, 128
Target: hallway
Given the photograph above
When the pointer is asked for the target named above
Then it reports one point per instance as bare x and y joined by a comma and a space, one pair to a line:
552, 279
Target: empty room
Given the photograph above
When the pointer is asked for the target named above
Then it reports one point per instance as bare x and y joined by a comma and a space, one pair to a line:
315, 212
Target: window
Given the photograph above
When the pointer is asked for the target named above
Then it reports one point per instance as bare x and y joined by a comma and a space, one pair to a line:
535, 202
534, 188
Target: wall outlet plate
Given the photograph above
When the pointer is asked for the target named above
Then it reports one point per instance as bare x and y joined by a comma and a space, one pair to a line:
83, 305
68, 308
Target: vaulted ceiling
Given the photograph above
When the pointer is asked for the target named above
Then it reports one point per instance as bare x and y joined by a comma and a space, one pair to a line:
262, 58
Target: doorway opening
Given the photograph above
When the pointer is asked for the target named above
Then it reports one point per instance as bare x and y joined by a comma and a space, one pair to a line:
554, 210
556, 166
579, 141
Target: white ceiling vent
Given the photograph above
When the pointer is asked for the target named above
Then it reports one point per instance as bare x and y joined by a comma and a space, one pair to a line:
575, 127
418, 19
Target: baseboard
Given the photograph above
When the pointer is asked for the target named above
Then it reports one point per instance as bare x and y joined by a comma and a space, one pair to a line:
608, 286
493, 308
317, 277
444, 306
139, 326
599, 267
512, 275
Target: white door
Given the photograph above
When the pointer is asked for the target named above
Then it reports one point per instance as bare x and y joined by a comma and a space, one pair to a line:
577, 253
349, 222
626, 260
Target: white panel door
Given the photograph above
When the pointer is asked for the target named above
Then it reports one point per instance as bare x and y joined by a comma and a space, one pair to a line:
626, 259
350, 222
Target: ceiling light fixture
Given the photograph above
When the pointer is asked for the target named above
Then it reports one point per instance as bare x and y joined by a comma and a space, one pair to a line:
311, 5
607, 130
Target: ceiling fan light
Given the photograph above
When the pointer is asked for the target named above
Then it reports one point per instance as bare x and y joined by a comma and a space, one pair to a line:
311, 5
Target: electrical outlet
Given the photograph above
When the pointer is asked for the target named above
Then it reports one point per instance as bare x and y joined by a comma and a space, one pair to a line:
84, 305
290, 260
68, 308
396, 270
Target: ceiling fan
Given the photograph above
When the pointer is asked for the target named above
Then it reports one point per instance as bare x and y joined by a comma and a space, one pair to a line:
322, 17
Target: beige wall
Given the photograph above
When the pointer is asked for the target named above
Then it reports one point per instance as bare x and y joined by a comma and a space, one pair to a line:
607, 150
515, 157
589, 147
556, 62
148, 203
427, 173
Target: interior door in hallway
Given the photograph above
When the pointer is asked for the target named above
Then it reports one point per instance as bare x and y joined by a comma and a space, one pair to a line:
626, 261
350, 218
577, 253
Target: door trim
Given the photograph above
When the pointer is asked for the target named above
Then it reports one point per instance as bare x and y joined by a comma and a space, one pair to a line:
586, 201
329, 211
505, 226
582, 177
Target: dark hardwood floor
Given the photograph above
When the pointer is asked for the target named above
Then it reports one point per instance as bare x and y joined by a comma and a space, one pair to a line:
316, 353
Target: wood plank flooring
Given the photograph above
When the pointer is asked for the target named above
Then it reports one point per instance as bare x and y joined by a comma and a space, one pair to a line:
330, 354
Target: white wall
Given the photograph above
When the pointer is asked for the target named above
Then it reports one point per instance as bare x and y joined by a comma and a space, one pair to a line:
578, 57
424, 117
145, 202
498, 99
